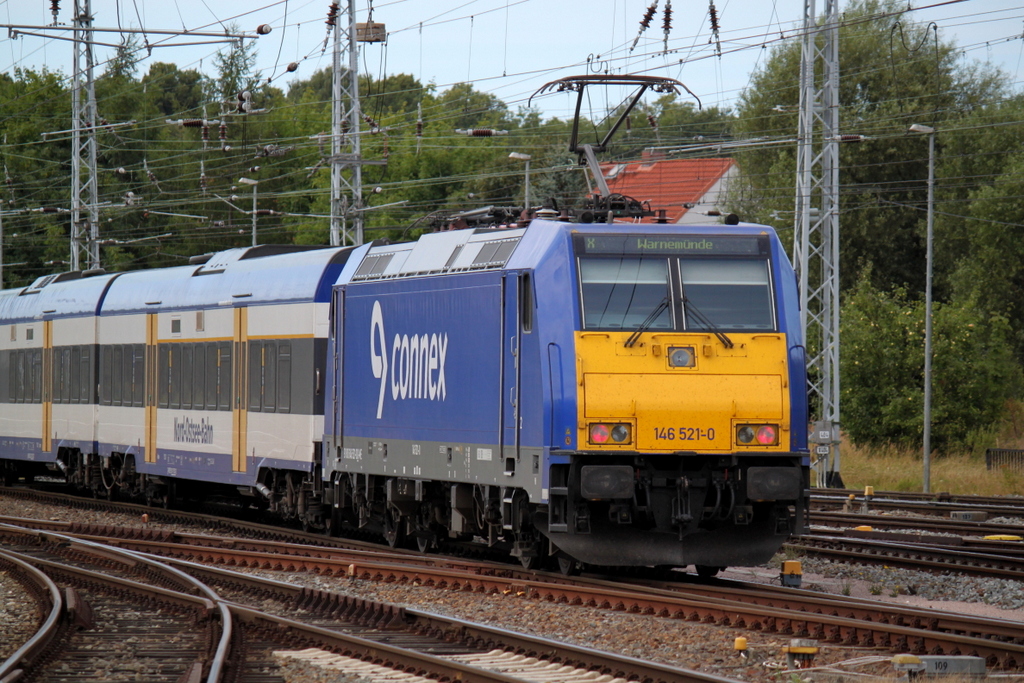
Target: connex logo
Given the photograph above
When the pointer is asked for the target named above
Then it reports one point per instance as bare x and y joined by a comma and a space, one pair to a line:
416, 363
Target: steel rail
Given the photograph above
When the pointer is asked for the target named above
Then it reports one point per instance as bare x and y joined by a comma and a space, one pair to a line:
41, 584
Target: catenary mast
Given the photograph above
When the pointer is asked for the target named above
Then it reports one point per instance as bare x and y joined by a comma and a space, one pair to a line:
816, 234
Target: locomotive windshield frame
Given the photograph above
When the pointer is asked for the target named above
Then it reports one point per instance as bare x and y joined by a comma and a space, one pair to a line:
694, 284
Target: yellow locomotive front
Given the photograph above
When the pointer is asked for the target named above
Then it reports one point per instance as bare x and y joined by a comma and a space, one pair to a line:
691, 403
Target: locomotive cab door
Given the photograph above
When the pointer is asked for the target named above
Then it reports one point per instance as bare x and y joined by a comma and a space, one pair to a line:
510, 372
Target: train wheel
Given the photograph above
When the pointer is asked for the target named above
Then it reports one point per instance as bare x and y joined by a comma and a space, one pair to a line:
706, 572
394, 532
568, 565
425, 544
532, 562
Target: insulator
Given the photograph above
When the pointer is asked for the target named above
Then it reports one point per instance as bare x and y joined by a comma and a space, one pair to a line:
480, 132
202, 182
191, 123
332, 14
648, 15
652, 121
223, 131
369, 120
713, 14
264, 29
667, 23
206, 132
293, 66
151, 176
55, 9
419, 128
386, 153
266, 212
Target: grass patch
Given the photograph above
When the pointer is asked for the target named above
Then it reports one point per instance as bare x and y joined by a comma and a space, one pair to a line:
898, 469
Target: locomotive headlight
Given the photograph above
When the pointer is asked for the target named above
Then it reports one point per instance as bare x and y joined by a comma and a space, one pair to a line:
745, 434
620, 434
616, 434
606, 481
681, 357
757, 435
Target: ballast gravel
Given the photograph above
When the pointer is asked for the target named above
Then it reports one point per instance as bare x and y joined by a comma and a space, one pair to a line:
675, 642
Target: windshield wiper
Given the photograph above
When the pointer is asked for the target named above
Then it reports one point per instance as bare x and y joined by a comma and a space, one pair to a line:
689, 308
648, 321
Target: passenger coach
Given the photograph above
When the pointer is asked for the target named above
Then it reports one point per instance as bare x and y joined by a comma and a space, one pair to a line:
210, 373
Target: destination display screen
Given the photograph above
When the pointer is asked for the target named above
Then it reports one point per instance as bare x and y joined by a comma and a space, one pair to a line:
671, 245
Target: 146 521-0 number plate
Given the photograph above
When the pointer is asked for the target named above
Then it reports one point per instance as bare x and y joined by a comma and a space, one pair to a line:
684, 433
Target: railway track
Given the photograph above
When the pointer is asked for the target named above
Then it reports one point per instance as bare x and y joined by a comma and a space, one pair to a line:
753, 607
317, 625
917, 504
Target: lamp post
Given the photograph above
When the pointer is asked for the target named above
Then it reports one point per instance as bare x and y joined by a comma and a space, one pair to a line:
524, 157
930, 132
254, 183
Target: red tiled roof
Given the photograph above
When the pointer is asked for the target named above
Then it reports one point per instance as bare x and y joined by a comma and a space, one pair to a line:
666, 183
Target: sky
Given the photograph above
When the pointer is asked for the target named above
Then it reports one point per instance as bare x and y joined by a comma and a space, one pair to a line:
509, 48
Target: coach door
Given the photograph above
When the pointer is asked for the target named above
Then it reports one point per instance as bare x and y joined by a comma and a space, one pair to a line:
510, 372
334, 406
152, 390
47, 386
239, 417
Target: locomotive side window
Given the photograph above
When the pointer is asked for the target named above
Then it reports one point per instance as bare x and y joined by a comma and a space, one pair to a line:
621, 293
732, 294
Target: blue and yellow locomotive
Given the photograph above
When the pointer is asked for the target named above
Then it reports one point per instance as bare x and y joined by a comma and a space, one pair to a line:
609, 394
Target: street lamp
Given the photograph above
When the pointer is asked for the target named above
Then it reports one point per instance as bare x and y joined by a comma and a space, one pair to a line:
254, 183
524, 157
930, 132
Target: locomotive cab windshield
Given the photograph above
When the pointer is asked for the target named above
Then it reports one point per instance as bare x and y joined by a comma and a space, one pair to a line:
716, 292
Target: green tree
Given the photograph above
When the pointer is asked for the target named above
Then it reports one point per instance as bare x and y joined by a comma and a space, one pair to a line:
973, 369
886, 83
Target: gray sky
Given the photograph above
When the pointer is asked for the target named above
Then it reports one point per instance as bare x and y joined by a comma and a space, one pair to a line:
507, 47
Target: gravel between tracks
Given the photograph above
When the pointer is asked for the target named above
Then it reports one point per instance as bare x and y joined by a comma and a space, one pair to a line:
679, 643
18, 615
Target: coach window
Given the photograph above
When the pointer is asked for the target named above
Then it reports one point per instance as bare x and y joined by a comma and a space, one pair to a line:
186, 376
174, 377
284, 378
37, 376
176, 325
76, 375
621, 293
224, 377
211, 376
106, 390
164, 374
87, 394
116, 374
69, 383
199, 387
269, 377
139, 372
731, 294
255, 375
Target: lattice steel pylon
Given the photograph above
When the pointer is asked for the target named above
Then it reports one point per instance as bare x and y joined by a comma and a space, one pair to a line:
816, 234
84, 179
345, 139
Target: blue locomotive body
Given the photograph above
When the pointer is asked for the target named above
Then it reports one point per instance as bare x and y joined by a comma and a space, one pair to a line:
470, 379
